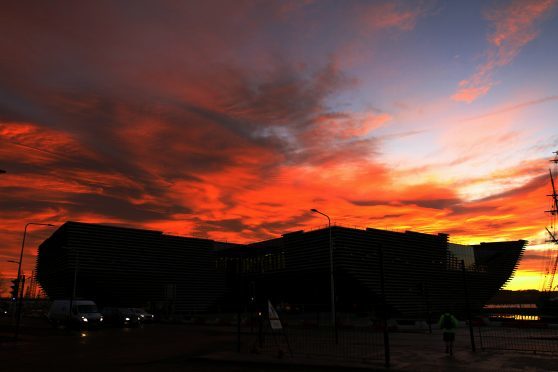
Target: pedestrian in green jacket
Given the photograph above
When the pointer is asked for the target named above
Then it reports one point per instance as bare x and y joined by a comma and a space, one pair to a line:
448, 323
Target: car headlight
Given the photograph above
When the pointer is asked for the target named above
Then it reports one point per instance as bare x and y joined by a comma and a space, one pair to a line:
101, 319
84, 319
127, 319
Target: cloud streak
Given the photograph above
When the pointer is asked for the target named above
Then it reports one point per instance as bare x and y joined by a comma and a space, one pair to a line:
514, 26
515, 107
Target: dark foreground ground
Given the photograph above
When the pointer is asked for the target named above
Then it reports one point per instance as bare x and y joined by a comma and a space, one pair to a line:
171, 347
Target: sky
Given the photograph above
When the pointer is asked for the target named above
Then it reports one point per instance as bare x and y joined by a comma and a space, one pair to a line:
230, 120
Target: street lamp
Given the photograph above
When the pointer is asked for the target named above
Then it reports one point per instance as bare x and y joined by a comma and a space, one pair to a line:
23, 243
332, 289
18, 307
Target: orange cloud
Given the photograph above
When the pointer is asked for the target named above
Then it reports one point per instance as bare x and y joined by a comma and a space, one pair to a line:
389, 15
514, 26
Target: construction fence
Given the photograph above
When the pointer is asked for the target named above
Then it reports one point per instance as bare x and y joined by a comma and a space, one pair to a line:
312, 335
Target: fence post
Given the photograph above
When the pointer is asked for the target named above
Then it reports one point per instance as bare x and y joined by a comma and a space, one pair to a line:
387, 354
260, 329
239, 309
480, 339
467, 309
19, 301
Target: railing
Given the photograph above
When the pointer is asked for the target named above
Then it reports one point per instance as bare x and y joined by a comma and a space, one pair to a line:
309, 335
521, 336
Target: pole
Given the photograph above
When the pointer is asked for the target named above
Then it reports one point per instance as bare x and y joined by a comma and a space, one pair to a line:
21, 252
331, 279
74, 287
19, 283
20, 287
19, 300
467, 309
239, 307
387, 353
428, 312
332, 283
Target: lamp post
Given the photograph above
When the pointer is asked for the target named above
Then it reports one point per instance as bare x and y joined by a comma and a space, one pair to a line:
74, 286
331, 281
20, 299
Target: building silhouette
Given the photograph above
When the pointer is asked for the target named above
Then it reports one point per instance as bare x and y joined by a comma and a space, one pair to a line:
420, 273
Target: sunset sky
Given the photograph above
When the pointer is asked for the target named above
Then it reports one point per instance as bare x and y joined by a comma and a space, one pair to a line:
232, 119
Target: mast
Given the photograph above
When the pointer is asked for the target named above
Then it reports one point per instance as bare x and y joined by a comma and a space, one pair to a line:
554, 208
551, 272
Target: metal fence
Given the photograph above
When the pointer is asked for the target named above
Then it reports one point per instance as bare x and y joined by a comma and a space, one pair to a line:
307, 335
522, 336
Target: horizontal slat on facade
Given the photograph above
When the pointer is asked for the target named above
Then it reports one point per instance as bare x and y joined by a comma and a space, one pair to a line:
131, 267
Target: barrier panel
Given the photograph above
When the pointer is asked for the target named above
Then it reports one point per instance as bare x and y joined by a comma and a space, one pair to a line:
310, 335
520, 336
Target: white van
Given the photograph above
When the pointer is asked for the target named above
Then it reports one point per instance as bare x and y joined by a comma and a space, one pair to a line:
84, 313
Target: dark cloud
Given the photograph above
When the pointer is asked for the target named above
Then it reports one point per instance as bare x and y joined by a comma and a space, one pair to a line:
441, 203
432, 203
370, 203
228, 224
14, 201
396, 215
471, 208
119, 208
535, 257
533, 184
274, 228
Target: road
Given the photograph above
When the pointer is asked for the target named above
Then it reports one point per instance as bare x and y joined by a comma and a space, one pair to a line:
152, 347
204, 348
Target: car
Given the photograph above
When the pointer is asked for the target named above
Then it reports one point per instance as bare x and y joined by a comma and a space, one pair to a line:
121, 317
80, 313
144, 315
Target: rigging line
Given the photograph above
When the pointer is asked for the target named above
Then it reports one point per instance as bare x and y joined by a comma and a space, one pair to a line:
551, 235
551, 257
554, 209
554, 265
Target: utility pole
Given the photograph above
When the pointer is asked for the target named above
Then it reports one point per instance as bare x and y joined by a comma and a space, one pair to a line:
467, 308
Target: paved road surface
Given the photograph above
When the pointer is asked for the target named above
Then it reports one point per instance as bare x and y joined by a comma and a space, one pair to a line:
168, 347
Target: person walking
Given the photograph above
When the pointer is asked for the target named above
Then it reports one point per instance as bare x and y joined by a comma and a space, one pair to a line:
448, 323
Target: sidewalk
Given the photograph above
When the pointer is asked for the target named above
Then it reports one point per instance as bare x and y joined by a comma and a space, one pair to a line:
414, 352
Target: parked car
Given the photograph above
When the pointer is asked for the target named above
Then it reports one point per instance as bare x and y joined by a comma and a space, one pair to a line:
144, 315
83, 313
121, 316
